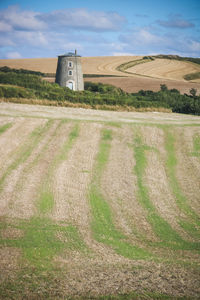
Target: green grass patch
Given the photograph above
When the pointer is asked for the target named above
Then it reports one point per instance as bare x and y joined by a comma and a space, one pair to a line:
114, 124
46, 201
69, 142
135, 296
102, 224
192, 76
196, 145
26, 149
5, 127
169, 237
41, 241
123, 67
171, 164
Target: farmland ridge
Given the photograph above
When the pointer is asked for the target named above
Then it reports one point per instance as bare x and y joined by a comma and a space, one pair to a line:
147, 76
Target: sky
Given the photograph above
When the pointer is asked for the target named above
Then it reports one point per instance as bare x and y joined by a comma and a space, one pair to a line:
41, 28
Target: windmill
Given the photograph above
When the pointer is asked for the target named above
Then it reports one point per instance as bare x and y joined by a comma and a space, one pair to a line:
69, 71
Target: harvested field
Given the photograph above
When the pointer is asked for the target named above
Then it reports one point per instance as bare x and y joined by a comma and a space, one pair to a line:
160, 71
98, 203
105, 65
136, 83
46, 65
165, 68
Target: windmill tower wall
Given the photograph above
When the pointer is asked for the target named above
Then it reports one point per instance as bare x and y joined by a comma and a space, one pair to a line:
69, 71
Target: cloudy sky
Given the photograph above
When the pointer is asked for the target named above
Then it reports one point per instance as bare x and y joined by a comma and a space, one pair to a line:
41, 28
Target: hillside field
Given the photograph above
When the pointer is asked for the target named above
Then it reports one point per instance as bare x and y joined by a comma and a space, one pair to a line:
98, 204
146, 76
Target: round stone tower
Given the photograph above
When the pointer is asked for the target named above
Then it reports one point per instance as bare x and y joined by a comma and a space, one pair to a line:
69, 71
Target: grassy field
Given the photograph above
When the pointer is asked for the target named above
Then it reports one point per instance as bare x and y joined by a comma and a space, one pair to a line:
98, 204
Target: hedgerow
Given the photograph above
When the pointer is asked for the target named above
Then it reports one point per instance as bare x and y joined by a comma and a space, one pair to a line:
16, 85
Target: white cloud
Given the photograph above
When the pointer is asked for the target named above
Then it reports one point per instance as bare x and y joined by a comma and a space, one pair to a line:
175, 21
146, 41
6, 41
34, 34
142, 36
4, 27
21, 19
83, 19
13, 55
194, 46
32, 38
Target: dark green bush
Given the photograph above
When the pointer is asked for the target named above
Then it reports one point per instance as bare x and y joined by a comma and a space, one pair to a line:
15, 92
20, 71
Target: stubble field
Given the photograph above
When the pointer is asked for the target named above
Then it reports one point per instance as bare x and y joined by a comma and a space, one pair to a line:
98, 203
165, 68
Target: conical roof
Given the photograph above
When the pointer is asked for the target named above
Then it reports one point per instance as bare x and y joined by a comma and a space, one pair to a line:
71, 54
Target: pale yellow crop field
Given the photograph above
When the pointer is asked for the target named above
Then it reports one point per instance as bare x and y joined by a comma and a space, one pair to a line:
105, 65
165, 68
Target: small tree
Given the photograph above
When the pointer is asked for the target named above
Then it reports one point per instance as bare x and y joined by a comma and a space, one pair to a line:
163, 88
193, 92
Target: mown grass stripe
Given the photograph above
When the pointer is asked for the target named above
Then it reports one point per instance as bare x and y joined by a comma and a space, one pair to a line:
43, 239
5, 127
42, 153
45, 202
69, 143
102, 225
181, 200
196, 145
26, 149
161, 227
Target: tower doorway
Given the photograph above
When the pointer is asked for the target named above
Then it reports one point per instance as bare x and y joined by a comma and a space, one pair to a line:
70, 84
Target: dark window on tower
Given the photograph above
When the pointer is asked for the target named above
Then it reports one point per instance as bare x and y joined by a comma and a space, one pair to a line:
70, 73
70, 64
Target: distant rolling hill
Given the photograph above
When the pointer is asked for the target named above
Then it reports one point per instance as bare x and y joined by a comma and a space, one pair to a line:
147, 76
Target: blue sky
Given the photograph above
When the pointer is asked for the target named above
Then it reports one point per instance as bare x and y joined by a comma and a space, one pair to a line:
42, 28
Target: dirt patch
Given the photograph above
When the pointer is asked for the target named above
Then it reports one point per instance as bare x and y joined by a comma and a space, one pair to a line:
100, 279
11, 233
9, 258
6, 120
